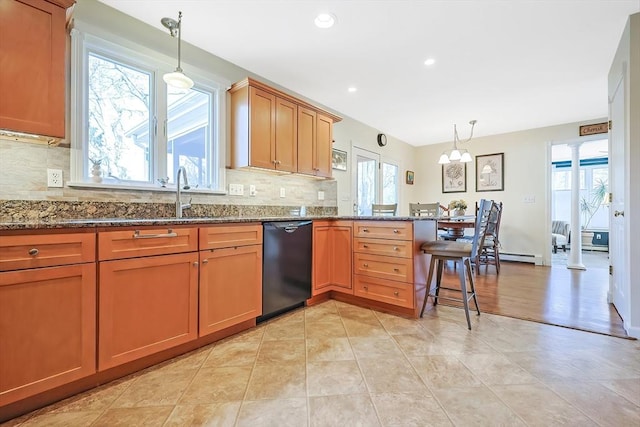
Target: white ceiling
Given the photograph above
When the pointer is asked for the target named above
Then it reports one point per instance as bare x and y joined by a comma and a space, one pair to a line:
510, 64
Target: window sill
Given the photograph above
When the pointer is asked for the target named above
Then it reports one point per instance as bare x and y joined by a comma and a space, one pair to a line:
153, 188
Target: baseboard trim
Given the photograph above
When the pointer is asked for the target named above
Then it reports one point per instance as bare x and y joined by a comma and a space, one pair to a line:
528, 258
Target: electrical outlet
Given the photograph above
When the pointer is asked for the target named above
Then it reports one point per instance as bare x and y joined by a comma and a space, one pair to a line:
320, 195
54, 178
282, 192
236, 189
252, 190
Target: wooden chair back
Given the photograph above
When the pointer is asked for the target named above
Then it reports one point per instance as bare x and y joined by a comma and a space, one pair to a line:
424, 209
482, 222
384, 210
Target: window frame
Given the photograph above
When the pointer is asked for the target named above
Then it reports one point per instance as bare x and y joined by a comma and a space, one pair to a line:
115, 48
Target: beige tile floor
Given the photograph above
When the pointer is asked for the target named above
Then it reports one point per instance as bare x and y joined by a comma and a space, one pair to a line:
339, 365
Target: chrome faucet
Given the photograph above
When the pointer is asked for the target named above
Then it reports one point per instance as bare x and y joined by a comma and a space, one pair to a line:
179, 205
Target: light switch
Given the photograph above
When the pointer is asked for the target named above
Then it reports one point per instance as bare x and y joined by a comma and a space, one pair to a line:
252, 190
282, 192
529, 199
320, 195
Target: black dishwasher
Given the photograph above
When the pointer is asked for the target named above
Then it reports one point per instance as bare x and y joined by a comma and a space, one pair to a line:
286, 266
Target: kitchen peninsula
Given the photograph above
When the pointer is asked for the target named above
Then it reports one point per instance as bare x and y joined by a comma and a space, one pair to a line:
114, 296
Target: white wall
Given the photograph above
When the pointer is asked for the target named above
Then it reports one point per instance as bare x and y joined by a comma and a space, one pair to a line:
350, 133
525, 226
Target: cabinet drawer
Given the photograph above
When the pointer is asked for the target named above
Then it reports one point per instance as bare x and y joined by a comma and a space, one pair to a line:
396, 293
146, 241
398, 230
46, 250
396, 248
227, 236
384, 267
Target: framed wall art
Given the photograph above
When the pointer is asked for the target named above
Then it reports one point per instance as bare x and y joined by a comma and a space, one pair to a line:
454, 177
339, 160
410, 177
490, 172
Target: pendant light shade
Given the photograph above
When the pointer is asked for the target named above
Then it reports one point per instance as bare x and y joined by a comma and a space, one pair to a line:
456, 154
177, 78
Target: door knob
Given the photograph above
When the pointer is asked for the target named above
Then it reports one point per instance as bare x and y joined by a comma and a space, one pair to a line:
618, 213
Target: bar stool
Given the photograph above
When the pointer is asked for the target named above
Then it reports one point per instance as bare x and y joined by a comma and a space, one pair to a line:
458, 252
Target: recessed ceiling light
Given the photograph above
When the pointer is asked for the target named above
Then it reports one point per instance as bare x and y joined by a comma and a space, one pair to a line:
352, 89
429, 61
325, 20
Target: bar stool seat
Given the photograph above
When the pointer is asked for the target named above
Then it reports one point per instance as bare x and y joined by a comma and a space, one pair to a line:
460, 253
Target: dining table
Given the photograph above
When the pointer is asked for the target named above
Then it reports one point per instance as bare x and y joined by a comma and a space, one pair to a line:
455, 225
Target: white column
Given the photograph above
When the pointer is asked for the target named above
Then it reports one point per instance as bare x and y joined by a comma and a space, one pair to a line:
575, 254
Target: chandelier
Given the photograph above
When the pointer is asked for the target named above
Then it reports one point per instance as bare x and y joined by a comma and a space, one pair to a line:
456, 154
176, 79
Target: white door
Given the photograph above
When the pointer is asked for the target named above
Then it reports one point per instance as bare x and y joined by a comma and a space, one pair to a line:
366, 168
619, 280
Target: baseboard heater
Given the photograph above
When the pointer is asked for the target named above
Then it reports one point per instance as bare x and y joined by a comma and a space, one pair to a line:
532, 259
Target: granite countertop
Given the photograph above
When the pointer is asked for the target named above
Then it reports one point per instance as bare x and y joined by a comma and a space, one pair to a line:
124, 222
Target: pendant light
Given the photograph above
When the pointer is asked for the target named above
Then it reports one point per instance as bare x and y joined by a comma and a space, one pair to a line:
458, 155
177, 78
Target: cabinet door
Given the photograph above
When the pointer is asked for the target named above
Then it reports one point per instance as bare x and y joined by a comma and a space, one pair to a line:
332, 254
322, 255
324, 142
342, 255
32, 54
230, 287
146, 305
47, 329
286, 136
306, 140
262, 130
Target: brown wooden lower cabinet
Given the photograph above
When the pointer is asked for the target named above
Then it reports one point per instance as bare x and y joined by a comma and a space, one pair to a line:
332, 257
47, 328
230, 287
146, 305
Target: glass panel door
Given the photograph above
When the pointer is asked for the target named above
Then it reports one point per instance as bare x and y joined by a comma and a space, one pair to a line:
366, 167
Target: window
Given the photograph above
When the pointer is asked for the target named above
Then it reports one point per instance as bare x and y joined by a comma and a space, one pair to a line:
136, 129
389, 183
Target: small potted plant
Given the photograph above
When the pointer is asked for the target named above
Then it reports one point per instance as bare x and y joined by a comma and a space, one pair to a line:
96, 170
458, 207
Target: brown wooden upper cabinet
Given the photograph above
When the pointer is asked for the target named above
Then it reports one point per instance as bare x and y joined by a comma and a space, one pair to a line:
272, 130
32, 54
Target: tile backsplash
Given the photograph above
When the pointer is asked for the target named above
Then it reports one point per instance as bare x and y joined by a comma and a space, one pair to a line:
23, 178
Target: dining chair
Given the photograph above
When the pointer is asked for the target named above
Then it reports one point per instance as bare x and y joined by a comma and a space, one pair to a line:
460, 253
489, 253
384, 210
424, 209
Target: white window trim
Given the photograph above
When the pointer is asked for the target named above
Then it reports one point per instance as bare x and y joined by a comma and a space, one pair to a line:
109, 43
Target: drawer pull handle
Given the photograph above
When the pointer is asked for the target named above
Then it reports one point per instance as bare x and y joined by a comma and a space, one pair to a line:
365, 230
34, 252
396, 293
365, 246
365, 265
169, 233
195, 263
205, 261
395, 230
366, 288
395, 248
397, 270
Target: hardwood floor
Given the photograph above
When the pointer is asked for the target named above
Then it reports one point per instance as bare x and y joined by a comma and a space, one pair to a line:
553, 295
